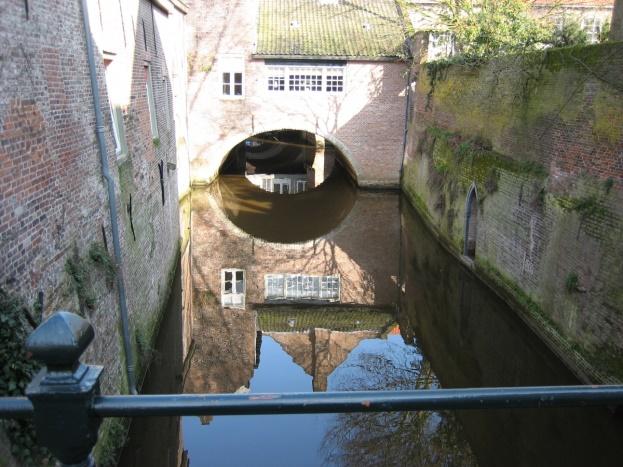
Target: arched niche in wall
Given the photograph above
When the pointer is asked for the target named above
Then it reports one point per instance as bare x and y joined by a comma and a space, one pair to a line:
471, 223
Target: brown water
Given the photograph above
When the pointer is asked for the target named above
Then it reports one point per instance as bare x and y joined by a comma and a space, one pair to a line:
407, 316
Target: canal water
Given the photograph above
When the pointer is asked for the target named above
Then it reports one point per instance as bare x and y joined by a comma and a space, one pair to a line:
337, 289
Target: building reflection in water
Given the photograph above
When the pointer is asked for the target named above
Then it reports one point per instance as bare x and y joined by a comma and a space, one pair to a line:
273, 312
317, 298
284, 161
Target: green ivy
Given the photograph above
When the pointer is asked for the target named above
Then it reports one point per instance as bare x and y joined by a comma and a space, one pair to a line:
102, 260
17, 371
78, 271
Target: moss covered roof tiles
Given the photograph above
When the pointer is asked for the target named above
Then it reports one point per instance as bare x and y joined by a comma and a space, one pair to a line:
338, 28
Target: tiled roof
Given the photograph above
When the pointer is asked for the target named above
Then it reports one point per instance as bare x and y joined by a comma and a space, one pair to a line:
330, 28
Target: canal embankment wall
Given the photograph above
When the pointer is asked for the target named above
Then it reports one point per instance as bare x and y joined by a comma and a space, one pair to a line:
532, 148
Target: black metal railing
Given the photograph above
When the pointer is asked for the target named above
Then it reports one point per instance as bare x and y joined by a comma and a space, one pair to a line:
64, 399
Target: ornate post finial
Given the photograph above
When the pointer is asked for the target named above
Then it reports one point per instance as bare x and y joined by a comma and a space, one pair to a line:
62, 392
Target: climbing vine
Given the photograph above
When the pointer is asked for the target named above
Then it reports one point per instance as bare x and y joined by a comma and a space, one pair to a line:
79, 270
17, 371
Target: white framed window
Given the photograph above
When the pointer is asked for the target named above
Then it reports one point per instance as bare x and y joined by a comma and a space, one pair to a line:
301, 186
281, 186
232, 84
296, 287
276, 78
116, 114
118, 130
151, 102
330, 287
231, 72
592, 26
305, 78
267, 184
274, 286
334, 79
233, 288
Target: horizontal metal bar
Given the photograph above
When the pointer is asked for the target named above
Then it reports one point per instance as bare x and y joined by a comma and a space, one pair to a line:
15, 407
368, 401
338, 402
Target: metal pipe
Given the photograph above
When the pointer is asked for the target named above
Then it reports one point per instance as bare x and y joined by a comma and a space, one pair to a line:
112, 203
338, 402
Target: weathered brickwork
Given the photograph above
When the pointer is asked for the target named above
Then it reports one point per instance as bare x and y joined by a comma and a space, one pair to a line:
366, 121
545, 154
53, 198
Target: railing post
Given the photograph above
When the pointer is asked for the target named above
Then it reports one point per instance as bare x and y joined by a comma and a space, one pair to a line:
62, 393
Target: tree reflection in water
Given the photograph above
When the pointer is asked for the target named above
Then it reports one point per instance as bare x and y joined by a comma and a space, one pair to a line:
395, 438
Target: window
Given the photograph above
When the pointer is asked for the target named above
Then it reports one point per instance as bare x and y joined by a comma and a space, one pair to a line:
118, 131
233, 288
267, 184
330, 288
167, 111
116, 115
231, 71
334, 79
274, 286
151, 102
298, 287
314, 78
305, 79
593, 27
301, 186
276, 79
281, 186
232, 84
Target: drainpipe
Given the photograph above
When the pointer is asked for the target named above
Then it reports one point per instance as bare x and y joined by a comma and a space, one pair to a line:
112, 203
406, 128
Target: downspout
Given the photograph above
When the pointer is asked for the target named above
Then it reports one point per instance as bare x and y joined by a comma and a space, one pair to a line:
406, 128
112, 203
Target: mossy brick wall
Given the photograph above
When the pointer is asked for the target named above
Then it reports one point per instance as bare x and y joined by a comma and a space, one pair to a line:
53, 201
541, 139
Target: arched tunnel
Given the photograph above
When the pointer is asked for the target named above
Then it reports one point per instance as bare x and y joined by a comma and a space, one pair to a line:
287, 161
261, 171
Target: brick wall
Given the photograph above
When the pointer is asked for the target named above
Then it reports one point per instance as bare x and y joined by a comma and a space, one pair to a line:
541, 140
53, 201
366, 121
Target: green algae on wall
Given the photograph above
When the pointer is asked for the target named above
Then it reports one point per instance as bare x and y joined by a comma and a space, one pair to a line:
520, 94
538, 136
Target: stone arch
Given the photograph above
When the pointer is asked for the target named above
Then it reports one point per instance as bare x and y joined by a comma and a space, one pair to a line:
350, 162
471, 222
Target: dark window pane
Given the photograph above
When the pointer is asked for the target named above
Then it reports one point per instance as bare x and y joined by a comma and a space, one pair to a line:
239, 275
228, 275
226, 78
226, 89
238, 78
238, 89
228, 286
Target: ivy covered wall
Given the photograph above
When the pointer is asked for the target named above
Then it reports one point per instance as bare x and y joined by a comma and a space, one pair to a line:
540, 138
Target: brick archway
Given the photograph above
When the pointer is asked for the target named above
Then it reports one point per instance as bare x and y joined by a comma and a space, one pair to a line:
344, 154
